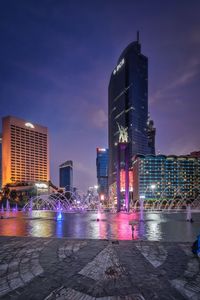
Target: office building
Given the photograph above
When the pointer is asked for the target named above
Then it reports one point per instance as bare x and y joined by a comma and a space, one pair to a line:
102, 171
25, 151
165, 177
66, 175
128, 105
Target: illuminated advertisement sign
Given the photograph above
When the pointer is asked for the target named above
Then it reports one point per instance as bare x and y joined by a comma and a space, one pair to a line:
122, 181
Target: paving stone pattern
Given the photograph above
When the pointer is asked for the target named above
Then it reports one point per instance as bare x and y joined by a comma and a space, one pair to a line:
63, 269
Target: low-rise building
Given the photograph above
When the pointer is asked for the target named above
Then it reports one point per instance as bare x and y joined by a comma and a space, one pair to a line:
167, 177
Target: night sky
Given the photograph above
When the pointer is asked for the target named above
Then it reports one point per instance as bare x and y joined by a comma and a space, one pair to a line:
56, 58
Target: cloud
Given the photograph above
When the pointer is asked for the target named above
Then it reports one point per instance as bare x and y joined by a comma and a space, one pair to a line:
181, 146
100, 118
182, 78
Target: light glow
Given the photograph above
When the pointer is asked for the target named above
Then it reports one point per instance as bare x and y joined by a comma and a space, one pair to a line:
102, 197
118, 67
30, 125
41, 185
153, 186
101, 149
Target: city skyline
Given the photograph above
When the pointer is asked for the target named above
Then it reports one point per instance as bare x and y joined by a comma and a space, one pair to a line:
56, 63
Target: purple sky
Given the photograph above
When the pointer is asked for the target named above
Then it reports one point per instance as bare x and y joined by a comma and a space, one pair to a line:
56, 58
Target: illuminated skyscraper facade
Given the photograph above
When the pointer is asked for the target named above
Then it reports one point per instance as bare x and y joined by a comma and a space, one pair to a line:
66, 175
128, 105
166, 177
25, 151
102, 170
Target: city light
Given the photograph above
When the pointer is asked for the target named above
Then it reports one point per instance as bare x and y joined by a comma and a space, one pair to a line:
41, 185
102, 197
119, 66
153, 186
101, 149
59, 216
30, 125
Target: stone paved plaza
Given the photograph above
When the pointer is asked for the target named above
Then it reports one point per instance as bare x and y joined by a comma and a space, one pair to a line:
51, 268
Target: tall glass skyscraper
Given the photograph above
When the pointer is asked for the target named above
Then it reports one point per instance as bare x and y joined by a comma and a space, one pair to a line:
66, 175
102, 171
128, 104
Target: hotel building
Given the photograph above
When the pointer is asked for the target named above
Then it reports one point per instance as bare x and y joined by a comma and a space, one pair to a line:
166, 177
25, 151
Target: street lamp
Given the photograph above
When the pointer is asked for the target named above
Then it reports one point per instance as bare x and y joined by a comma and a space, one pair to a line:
153, 186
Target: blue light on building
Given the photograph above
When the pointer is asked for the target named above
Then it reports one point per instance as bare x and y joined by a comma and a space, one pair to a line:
102, 171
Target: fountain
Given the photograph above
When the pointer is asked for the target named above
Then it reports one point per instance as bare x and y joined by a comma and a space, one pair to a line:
7, 205
142, 197
2, 208
59, 202
59, 216
15, 208
189, 214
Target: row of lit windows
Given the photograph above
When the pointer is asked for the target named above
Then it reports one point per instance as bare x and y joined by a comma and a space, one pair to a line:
169, 161
170, 166
19, 178
22, 142
28, 145
28, 151
27, 139
28, 167
42, 156
36, 168
41, 170
32, 154
24, 159
21, 129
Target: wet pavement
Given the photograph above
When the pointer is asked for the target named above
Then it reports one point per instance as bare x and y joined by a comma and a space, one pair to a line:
77, 269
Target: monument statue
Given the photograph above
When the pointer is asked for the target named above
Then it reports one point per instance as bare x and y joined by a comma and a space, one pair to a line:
123, 134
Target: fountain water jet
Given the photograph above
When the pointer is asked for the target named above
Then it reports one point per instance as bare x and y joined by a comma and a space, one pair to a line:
61, 202
142, 208
189, 214
7, 205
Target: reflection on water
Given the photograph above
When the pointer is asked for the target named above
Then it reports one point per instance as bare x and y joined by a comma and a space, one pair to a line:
96, 225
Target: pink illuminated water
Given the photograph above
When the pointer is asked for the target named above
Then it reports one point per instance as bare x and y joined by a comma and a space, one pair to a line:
98, 225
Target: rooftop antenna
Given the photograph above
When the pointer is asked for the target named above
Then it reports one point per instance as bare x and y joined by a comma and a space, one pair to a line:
138, 36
